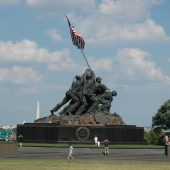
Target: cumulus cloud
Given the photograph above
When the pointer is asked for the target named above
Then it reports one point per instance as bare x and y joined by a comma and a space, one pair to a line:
132, 9
148, 31
59, 3
101, 64
107, 21
19, 75
169, 60
128, 9
3, 74
28, 51
62, 65
122, 21
10, 2
63, 5
136, 64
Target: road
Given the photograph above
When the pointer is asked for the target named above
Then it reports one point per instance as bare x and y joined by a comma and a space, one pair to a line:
39, 153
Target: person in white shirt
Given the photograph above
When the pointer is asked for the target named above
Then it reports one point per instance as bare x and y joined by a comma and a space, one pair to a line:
70, 154
95, 140
98, 144
166, 139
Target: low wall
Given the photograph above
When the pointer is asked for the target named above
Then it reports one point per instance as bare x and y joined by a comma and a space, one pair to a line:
8, 148
52, 133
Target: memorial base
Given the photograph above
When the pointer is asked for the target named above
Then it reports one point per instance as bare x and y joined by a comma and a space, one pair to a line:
53, 133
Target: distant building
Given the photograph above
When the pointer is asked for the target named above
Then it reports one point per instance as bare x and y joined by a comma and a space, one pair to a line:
8, 132
38, 110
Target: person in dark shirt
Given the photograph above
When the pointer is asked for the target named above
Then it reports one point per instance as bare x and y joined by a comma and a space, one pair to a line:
106, 147
20, 140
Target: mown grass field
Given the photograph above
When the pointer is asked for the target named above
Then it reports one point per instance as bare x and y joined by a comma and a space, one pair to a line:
80, 165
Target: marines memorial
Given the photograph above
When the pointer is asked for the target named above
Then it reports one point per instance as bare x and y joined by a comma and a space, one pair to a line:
85, 113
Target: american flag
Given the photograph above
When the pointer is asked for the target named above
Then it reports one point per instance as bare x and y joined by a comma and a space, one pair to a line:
76, 37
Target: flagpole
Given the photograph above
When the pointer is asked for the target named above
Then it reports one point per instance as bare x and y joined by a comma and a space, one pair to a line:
85, 59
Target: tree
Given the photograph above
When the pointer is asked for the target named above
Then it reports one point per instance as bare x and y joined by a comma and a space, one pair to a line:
162, 117
154, 136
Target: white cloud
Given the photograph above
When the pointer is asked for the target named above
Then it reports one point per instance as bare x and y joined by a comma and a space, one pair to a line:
169, 60
62, 65
59, 3
64, 5
10, 2
54, 35
128, 9
101, 64
120, 21
136, 64
107, 21
19, 75
148, 31
116, 7
3, 74
28, 51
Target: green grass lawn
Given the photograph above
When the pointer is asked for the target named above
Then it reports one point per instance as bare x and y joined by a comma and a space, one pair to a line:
19, 164
79, 165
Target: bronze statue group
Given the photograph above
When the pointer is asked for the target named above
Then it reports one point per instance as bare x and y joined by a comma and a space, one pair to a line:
87, 95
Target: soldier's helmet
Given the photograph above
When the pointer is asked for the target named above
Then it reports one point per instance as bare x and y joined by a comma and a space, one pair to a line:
98, 79
78, 77
114, 93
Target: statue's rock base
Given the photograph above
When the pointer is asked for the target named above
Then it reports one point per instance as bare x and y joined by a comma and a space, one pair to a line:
93, 119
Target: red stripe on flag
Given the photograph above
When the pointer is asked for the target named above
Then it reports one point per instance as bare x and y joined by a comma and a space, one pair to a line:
76, 37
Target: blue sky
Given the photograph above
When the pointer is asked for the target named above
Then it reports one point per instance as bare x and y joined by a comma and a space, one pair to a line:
127, 44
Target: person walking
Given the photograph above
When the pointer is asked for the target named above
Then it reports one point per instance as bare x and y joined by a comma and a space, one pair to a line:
95, 139
71, 151
166, 140
98, 144
20, 140
106, 147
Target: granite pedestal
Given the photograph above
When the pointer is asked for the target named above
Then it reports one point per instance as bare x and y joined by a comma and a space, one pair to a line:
53, 133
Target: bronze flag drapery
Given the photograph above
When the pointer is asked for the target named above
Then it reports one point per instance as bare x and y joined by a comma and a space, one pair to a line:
77, 39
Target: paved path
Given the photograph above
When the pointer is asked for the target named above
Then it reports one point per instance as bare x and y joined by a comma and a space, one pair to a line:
39, 153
